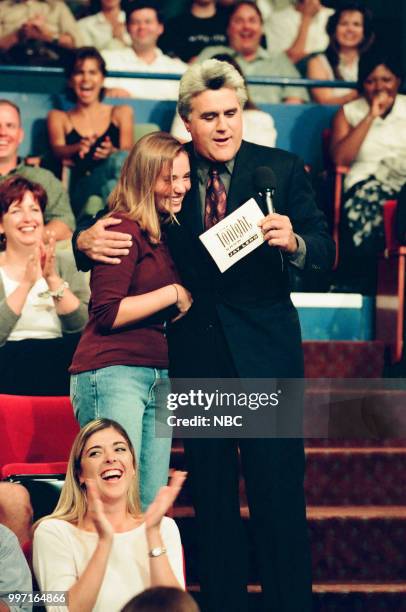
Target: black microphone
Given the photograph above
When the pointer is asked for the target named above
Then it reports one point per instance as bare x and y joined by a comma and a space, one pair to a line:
265, 183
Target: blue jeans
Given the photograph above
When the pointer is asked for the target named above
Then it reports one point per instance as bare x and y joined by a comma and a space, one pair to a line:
127, 395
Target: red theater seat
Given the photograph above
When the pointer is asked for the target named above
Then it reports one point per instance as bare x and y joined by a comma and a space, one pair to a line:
36, 434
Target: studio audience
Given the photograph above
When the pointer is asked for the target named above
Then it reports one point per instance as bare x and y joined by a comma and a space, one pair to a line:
145, 26
245, 30
298, 27
200, 25
58, 216
369, 136
97, 545
92, 137
43, 298
105, 27
37, 32
351, 34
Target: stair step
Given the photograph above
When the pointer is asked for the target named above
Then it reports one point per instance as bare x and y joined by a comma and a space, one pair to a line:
343, 359
340, 597
363, 544
369, 476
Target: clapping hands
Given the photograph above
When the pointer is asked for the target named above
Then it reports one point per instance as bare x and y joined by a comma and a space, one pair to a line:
164, 499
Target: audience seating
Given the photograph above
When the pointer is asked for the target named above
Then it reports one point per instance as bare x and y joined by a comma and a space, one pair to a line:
390, 299
36, 434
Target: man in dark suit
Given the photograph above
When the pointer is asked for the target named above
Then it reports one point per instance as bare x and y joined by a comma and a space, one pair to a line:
242, 325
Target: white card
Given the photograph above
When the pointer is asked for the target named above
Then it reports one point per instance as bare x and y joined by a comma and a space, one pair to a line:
235, 236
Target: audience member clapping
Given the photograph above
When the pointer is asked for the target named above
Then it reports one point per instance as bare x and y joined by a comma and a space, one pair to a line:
369, 135
105, 27
43, 298
96, 544
350, 32
200, 25
58, 214
245, 30
162, 599
92, 137
145, 26
258, 126
298, 27
37, 32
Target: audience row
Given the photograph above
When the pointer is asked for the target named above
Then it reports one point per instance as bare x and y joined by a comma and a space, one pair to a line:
295, 35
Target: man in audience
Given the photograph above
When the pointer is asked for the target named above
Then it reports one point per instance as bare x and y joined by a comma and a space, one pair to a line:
58, 213
37, 32
15, 575
245, 30
298, 29
16, 510
15, 530
145, 26
201, 25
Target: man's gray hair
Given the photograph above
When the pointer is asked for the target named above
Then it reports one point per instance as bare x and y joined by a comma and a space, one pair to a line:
209, 75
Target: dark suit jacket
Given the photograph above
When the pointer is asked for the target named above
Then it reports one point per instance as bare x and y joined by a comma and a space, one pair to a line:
249, 302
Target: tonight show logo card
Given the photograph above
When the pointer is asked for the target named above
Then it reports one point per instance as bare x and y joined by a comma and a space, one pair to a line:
235, 236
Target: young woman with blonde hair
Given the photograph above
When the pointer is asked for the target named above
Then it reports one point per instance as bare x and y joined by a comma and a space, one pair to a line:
122, 355
96, 545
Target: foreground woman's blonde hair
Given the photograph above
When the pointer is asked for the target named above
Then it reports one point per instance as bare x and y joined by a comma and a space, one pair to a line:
72, 504
134, 192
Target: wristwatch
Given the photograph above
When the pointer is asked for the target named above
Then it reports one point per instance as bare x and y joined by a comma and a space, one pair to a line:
157, 551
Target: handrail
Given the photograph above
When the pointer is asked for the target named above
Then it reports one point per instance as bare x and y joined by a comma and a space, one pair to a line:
251, 80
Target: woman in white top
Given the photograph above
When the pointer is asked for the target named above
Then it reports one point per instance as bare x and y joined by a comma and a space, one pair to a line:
350, 32
369, 136
105, 27
97, 545
257, 125
43, 298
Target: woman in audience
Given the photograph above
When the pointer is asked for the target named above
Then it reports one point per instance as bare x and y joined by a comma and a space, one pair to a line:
43, 298
120, 366
105, 28
369, 136
92, 137
258, 126
97, 545
350, 32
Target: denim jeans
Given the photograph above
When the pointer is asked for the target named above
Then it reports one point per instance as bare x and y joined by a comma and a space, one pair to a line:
127, 395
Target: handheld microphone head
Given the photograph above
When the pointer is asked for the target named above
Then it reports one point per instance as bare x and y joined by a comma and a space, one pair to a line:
264, 179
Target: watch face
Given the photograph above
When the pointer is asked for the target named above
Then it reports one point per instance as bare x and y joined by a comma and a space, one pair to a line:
157, 551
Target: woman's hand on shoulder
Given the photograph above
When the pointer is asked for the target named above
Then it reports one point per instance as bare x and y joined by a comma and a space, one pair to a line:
95, 510
164, 500
184, 301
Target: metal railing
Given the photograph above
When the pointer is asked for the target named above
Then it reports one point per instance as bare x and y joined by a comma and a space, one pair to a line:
251, 80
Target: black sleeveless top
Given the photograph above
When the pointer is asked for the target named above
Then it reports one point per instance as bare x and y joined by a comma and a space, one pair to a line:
87, 164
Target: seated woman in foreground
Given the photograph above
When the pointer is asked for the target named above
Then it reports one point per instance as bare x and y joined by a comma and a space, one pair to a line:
43, 298
350, 32
92, 137
369, 136
97, 545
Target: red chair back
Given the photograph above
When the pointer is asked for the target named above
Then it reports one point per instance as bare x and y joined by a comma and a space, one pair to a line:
389, 213
35, 429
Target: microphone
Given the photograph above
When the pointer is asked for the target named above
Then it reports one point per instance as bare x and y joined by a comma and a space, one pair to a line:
265, 183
